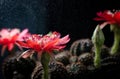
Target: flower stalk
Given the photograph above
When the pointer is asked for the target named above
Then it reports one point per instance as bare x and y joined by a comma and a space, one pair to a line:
116, 43
98, 40
115, 46
45, 58
97, 58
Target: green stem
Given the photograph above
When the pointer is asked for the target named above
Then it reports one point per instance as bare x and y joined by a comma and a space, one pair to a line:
45, 58
46, 72
115, 46
97, 59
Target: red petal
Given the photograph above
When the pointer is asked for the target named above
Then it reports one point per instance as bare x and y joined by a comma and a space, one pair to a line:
3, 50
22, 44
103, 25
14, 38
14, 31
10, 46
31, 43
4, 33
117, 17
105, 16
5, 41
26, 54
98, 19
50, 45
19, 46
22, 34
64, 40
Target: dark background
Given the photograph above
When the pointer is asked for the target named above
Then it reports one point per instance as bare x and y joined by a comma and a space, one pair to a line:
73, 17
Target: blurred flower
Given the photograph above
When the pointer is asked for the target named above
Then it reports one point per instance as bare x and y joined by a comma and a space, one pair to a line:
108, 17
8, 38
46, 43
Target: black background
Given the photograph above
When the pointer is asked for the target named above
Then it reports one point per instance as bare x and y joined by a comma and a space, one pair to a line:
73, 17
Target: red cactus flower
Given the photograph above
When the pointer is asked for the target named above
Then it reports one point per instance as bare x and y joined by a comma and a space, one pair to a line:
8, 38
46, 43
108, 17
